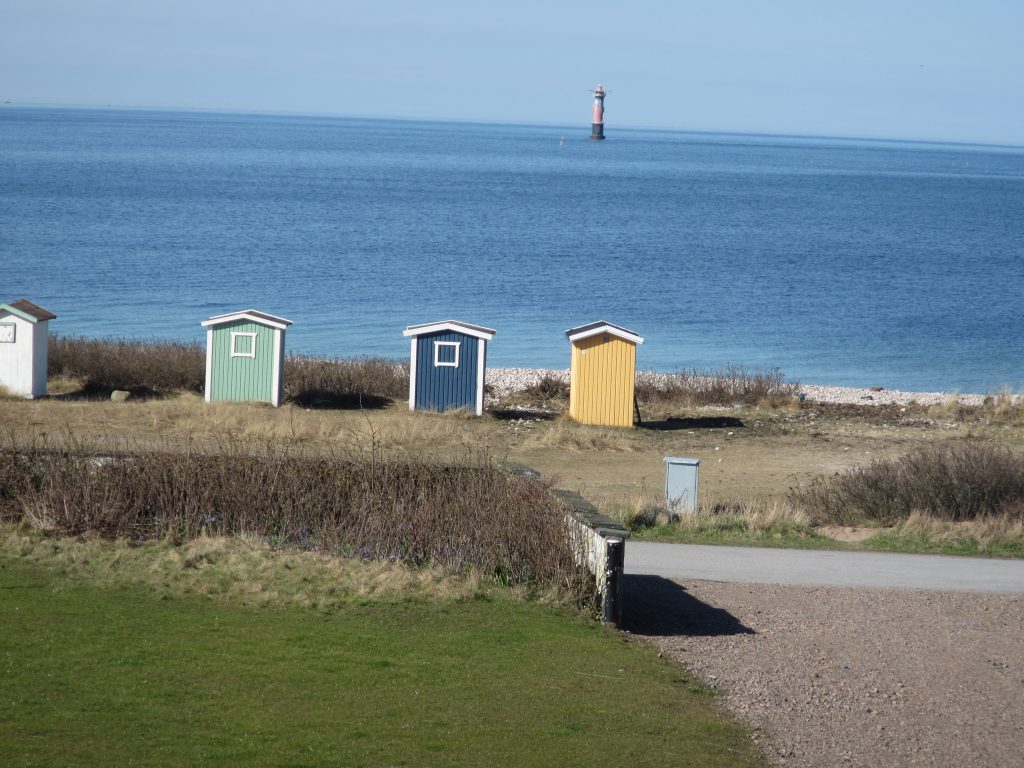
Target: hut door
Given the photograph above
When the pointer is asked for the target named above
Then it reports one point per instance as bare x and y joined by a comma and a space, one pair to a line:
446, 372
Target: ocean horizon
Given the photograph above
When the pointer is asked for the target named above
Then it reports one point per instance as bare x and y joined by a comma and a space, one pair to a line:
855, 262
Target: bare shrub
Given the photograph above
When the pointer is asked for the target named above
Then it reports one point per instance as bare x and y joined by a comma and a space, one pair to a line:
950, 481
549, 392
730, 385
365, 382
142, 367
15, 480
474, 516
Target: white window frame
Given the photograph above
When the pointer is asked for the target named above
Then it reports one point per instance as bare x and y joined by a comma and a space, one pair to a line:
438, 362
14, 333
234, 344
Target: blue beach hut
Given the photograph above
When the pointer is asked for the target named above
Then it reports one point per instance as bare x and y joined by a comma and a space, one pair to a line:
447, 361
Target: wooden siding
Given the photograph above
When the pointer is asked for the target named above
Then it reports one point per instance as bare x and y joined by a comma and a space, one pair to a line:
23, 363
243, 379
441, 388
602, 380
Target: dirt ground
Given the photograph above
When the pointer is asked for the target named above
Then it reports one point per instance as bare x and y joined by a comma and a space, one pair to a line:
850, 677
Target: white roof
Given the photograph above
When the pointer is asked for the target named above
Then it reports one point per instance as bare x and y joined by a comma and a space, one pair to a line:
252, 315
595, 329
477, 331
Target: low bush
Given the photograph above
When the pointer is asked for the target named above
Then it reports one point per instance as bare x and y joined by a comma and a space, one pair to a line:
142, 367
365, 382
950, 481
730, 385
477, 516
15, 480
549, 392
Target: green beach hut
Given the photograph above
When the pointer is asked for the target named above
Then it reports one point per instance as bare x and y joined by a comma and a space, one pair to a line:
245, 357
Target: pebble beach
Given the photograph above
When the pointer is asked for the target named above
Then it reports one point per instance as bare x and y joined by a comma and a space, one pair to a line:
505, 381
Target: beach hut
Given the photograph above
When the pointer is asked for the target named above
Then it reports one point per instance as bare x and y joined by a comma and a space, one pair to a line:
446, 365
24, 345
245, 357
603, 373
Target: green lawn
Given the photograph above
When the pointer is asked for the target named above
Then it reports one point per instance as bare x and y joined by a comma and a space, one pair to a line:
118, 676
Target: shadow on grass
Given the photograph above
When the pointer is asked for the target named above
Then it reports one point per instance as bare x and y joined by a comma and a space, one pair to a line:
653, 605
94, 392
353, 401
701, 422
508, 414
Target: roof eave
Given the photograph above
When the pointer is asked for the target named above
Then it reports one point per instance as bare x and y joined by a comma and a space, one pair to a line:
252, 315
33, 313
476, 331
596, 329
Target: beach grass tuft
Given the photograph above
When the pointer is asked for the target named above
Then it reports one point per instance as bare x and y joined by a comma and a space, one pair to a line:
730, 385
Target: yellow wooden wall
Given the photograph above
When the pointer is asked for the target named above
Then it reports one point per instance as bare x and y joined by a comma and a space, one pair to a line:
601, 381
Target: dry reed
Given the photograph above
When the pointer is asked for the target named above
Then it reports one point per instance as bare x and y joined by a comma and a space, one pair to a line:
141, 367
730, 385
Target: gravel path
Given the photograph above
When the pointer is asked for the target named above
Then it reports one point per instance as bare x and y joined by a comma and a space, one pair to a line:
825, 568
832, 676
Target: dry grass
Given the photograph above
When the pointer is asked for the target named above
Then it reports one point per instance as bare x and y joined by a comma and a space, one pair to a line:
1004, 408
731, 385
648, 511
987, 531
366, 382
563, 433
237, 569
186, 417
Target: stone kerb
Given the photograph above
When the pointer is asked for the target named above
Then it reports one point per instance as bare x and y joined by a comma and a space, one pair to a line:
602, 544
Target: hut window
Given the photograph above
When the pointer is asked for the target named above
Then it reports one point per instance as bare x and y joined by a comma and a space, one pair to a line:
7, 333
446, 354
243, 344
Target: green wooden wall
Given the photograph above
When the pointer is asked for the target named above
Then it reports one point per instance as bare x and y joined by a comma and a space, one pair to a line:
243, 379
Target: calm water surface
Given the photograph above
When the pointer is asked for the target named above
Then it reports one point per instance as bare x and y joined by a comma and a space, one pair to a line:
837, 261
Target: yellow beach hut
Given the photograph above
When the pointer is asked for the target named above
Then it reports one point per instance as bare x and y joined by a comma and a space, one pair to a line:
603, 374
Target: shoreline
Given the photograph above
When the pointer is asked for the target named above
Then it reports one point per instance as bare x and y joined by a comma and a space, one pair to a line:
505, 381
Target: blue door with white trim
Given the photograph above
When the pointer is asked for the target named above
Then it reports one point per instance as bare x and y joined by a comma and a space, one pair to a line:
446, 371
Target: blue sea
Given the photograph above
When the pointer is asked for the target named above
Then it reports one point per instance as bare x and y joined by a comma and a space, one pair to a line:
854, 262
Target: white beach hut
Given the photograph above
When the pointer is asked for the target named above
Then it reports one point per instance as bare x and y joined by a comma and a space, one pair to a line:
24, 344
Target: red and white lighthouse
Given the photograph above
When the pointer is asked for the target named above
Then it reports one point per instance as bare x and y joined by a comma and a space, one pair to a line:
597, 127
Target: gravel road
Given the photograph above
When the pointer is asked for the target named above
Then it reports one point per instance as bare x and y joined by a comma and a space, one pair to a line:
830, 676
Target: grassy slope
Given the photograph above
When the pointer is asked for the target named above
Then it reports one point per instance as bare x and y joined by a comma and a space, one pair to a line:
118, 676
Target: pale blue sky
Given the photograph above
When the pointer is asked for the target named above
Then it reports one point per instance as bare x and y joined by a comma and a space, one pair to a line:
902, 68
